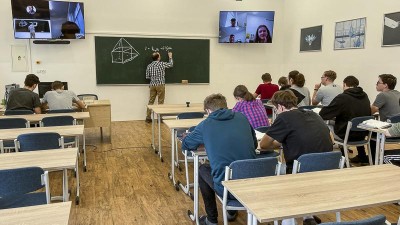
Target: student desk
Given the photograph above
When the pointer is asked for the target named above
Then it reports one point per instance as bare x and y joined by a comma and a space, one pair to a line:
34, 118
168, 109
73, 130
297, 195
49, 214
100, 114
51, 160
174, 125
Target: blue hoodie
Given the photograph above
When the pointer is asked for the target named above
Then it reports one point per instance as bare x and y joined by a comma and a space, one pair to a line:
227, 136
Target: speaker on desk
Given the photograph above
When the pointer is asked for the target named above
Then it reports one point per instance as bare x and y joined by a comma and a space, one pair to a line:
58, 42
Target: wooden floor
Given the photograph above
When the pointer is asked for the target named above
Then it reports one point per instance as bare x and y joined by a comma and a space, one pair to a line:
127, 184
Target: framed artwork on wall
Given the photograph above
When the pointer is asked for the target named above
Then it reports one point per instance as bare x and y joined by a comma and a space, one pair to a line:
350, 34
391, 29
311, 39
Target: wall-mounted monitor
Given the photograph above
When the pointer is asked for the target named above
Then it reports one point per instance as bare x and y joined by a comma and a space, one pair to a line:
246, 26
44, 87
41, 19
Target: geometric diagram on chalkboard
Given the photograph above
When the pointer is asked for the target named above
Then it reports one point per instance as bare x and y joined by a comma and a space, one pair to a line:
123, 52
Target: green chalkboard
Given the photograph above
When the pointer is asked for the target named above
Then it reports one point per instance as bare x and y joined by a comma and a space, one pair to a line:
123, 60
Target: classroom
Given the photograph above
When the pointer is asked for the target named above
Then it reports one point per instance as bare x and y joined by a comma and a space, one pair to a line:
125, 182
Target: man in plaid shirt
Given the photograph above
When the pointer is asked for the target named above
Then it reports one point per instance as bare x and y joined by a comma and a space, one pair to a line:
156, 73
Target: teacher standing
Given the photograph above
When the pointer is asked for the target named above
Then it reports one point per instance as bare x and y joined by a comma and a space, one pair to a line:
156, 73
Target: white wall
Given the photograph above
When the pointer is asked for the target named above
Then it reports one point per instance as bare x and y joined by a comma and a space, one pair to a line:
366, 64
230, 64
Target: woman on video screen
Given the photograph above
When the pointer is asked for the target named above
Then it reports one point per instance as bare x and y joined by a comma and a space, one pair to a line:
263, 35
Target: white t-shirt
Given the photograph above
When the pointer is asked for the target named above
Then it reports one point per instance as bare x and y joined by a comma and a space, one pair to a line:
60, 99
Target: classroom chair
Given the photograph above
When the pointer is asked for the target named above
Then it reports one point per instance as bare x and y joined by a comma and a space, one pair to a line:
88, 97
377, 220
61, 121
60, 111
393, 156
38, 141
17, 185
9, 123
318, 162
18, 112
352, 127
244, 169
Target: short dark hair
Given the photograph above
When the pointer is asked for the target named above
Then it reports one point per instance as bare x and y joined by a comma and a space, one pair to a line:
283, 81
298, 80
233, 19
155, 56
214, 102
266, 77
31, 79
70, 28
389, 79
330, 74
351, 81
241, 91
57, 85
292, 74
285, 98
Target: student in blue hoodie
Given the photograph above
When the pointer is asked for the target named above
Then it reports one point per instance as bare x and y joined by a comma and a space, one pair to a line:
227, 136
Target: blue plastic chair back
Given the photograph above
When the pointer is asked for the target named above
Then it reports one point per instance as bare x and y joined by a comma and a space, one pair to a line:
190, 115
20, 181
377, 220
250, 168
319, 161
61, 111
52, 121
18, 112
9, 123
357, 120
38, 141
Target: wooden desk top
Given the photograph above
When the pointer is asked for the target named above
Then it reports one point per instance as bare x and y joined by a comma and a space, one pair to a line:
49, 214
53, 159
297, 195
174, 105
180, 124
39, 117
73, 130
90, 103
177, 110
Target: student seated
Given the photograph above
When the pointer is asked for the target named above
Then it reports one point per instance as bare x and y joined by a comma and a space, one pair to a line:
227, 136
252, 108
59, 98
328, 91
25, 98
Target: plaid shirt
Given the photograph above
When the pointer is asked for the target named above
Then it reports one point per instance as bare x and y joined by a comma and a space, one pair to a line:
156, 72
254, 111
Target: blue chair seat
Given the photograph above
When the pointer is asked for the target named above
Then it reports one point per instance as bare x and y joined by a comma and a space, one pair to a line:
352, 142
8, 144
233, 203
392, 140
69, 140
23, 201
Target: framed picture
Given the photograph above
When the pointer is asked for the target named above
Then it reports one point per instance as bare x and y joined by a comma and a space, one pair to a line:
350, 34
391, 29
311, 39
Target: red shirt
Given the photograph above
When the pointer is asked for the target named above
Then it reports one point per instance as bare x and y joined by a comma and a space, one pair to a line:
267, 90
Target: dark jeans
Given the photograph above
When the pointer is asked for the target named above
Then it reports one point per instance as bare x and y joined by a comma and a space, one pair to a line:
206, 185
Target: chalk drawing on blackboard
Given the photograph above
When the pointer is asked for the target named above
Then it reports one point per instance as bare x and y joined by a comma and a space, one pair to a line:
164, 48
123, 52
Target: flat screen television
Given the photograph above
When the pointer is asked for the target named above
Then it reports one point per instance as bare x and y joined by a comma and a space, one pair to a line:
246, 26
44, 87
41, 19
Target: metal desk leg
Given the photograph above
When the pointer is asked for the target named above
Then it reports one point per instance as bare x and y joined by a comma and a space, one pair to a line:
171, 175
195, 215
254, 220
1, 146
152, 131
77, 183
249, 218
382, 148
159, 137
377, 148
84, 151
65, 186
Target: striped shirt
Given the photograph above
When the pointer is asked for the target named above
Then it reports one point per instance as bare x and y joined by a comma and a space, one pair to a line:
156, 72
254, 111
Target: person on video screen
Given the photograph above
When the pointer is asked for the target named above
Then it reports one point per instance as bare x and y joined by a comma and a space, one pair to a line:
31, 29
233, 22
263, 35
69, 30
31, 9
232, 38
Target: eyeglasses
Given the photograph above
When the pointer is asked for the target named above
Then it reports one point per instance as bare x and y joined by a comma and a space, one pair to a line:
323, 77
377, 83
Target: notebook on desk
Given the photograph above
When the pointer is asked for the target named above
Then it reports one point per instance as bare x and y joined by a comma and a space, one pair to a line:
375, 124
